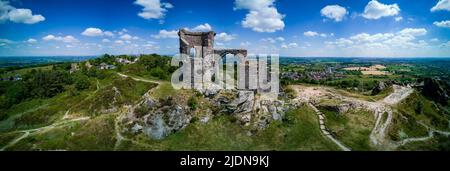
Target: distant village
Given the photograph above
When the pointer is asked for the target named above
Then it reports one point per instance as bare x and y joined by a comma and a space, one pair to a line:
16, 77
333, 72
103, 65
328, 72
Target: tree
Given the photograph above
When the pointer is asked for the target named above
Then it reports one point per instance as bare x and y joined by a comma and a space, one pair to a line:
44, 84
82, 82
158, 73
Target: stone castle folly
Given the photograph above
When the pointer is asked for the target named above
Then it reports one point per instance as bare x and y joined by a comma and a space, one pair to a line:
203, 44
200, 47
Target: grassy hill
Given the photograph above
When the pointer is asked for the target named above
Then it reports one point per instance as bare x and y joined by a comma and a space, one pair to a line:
81, 111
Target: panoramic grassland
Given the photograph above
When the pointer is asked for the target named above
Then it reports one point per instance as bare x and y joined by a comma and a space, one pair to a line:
128, 103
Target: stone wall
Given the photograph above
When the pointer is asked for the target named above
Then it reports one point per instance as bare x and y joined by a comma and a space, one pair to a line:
203, 43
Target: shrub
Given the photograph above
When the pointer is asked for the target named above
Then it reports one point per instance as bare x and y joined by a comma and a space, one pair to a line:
192, 103
82, 82
158, 73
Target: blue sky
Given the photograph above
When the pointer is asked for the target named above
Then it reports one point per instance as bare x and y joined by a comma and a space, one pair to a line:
347, 28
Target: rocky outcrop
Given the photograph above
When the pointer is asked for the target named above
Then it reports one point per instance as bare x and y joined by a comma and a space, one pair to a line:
245, 101
161, 123
379, 88
111, 106
437, 90
159, 119
249, 109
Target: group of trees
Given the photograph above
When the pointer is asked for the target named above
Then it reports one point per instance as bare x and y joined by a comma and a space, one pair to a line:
354, 83
362, 85
152, 65
40, 84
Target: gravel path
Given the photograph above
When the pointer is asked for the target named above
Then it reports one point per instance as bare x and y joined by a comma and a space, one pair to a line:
40, 130
324, 129
382, 109
120, 117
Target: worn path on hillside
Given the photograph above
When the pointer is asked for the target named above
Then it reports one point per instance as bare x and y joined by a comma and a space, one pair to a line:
382, 109
306, 97
62, 122
29, 132
66, 119
139, 79
431, 133
119, 118
324, 129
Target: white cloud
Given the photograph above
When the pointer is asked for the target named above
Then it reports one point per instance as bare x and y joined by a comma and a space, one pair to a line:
202, 28
120, 42
405, 39
413, 32
441, 5
334, 12
150, 47
376, 10
398, 18
262, 16
341, 42
364, 37
314, 34
147, 45
4, 10
225, 37
163, 34
245, 44
106, 40
269, 39
96, 32
153, 9
273, 40
288, 46
31, 40
49, 37
445, 24
434, 40
92, 32
65, 39
126, 37
108, 33
446, 45
24, 16
18, 15
6, 41
310, 33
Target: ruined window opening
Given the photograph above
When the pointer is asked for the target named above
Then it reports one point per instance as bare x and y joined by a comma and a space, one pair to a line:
192, 52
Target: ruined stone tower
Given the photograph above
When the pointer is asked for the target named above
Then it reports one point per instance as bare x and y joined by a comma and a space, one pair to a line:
200, 45
201, 42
